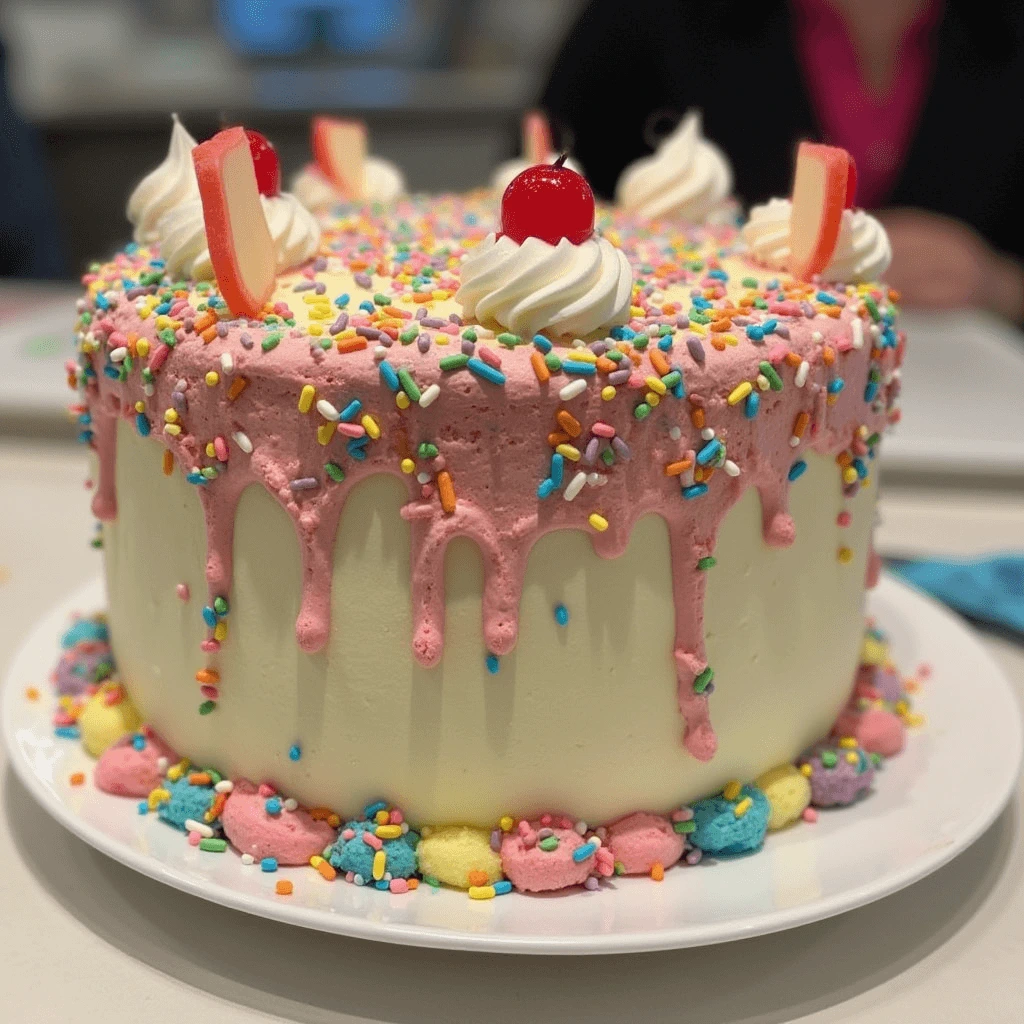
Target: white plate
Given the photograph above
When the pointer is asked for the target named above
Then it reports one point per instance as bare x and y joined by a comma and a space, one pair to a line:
929, 804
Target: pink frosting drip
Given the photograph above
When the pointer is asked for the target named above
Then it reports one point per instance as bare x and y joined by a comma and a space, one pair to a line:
493, 440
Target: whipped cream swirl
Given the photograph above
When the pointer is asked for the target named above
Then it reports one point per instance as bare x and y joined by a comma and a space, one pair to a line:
564, 288
182, 236
383, 182
169, 185
862, 252
687, 177
509, 169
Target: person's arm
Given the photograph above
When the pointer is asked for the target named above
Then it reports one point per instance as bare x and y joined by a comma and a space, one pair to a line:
940, 262
596, 103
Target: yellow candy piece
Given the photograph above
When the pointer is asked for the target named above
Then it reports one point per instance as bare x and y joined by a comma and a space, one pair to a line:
451, 852
104, 724
788, 791
873, 652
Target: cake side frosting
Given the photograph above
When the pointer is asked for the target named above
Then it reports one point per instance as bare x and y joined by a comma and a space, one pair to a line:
360, 368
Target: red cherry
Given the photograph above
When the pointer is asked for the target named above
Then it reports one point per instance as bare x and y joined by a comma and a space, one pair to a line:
266, 162
550, 202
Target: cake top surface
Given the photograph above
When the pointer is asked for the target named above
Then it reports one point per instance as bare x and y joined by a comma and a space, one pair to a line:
382, 272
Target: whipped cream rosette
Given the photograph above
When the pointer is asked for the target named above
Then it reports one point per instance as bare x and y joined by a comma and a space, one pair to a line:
342, 171
166, 208
862, 251
547, 270
688, 177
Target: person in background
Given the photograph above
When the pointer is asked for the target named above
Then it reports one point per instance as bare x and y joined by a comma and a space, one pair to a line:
925, 95
29, 237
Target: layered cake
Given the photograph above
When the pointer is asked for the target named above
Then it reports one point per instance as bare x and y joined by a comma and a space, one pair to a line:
550, 526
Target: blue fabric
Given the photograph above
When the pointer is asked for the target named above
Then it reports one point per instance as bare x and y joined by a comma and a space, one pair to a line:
987, 589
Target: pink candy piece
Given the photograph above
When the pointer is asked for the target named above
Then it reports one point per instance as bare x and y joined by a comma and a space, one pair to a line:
602, 429
604, 861
125, 771
373, 841
210, 692
843, 519
193, 838
182, 591
265, 789
209, 646
810, 815
396, 817
532, 869
291, 837
398, 885
641, 840
489, 356
348, 833
876, 730
220, 448
351, 429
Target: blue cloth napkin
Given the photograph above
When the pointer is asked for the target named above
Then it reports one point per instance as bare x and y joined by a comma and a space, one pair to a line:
987, 589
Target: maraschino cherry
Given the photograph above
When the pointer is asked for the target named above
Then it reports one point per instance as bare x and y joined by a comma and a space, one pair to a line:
266, 162
550, 202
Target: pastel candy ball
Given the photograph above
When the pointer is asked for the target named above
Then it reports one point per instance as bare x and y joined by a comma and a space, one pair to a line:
641, 840
718, 829
357, 856
84, 664
879, 682
837, 778
450, 852
187, 802
125, 771
530, 868
103, 724
788, 792
290, 837
874, 651
876, 730
86, 630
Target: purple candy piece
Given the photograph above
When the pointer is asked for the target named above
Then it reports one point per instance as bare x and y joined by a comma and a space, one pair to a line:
840, 783
888, 684
85, 663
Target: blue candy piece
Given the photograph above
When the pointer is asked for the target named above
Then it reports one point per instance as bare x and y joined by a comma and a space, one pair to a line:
719, 831
85, 630
356, 856
187, 801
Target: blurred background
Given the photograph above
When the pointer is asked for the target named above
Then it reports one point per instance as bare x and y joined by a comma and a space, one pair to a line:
441, 84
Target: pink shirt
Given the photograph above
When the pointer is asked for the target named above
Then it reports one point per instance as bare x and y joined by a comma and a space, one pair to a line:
876, 130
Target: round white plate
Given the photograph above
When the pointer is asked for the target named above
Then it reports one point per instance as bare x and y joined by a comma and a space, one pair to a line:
929, 804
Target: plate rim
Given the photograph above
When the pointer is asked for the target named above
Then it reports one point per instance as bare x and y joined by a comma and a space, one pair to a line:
431, 936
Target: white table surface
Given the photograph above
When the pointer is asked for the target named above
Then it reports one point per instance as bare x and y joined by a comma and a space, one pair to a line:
83, 939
